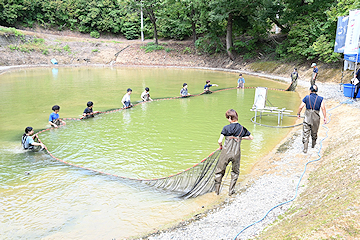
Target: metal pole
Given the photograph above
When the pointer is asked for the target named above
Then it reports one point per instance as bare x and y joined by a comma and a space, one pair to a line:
142, 24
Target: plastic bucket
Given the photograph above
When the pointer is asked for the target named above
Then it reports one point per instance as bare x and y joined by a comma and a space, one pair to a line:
349, 90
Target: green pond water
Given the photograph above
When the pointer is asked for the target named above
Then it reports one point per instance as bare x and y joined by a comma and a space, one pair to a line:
150, 140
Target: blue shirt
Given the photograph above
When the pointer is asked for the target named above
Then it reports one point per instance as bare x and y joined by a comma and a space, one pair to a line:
316, 70
313, 101
53, 116
207, 86
241, 80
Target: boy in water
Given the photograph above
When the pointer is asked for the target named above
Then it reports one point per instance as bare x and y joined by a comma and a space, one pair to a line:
208, 85
27, 140
184, 91
88, 112
145, 96
126, 99
231, 151
54, 119
241, 81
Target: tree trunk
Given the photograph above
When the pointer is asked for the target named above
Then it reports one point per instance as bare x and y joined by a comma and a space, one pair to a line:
229, 41
155, 33
153, 19
193, 25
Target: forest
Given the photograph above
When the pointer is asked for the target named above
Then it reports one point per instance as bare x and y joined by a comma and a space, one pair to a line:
285, 30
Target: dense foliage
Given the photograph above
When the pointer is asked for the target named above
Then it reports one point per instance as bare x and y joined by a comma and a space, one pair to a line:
247, 28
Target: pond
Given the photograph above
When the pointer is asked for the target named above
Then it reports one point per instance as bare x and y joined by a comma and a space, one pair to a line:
151, 140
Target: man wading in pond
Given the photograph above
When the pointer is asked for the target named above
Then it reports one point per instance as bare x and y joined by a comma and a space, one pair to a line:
231, 151
313, 103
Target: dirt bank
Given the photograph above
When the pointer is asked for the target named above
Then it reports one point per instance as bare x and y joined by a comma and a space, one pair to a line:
75, 48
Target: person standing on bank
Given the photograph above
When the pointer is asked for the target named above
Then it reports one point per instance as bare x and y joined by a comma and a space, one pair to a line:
357, 85
231, 151
314, 74
311, 123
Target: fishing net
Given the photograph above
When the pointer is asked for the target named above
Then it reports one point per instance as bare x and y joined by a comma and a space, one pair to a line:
192, 182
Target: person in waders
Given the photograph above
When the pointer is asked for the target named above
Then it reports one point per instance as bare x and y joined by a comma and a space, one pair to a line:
89, 111
54, 119
207, 87
311, 123
294, 78
126, 99
314, 74
27, 140
184, 91
231, 151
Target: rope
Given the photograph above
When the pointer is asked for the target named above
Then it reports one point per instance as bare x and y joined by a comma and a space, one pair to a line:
297, 187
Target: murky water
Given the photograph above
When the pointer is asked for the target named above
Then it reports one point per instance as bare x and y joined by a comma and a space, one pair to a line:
151, 140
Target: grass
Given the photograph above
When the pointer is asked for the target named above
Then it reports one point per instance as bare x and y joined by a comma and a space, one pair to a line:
151, 46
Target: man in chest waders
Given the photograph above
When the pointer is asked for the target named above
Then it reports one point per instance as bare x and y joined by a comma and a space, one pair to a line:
313, 103
231, 151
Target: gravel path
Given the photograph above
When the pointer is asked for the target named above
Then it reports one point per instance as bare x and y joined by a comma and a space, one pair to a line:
261, 194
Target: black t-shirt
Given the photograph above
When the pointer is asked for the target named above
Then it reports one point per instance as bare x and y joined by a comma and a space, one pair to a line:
234, 129
88, 110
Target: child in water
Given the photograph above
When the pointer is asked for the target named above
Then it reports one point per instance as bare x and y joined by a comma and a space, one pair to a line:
184, 91
145, 96
126, 99
208, 85
54, 119
88, 112
27, 140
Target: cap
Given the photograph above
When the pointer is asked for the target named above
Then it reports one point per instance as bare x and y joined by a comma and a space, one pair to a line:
184, 84
147, 89
313, 64
129, 90
207, 81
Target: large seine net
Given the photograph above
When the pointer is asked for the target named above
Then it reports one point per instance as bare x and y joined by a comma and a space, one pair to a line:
192, 182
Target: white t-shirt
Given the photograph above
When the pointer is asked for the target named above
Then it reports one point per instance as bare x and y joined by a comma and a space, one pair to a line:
126, 98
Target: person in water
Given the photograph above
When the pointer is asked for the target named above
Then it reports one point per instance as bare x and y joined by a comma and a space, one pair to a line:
311, 123
54, 119
231, 152
241, 81
27, 140
126, 99
184, 91
88, 112
145, 96
208, 85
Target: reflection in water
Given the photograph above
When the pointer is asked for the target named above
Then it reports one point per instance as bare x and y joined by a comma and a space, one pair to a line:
55, 72
240, 93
